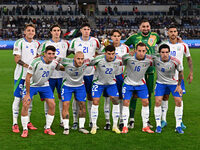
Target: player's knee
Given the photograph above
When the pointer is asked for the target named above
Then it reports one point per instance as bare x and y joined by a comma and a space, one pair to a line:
115, 100
165, 97
178, 103
126, 103
145, 102
52, 104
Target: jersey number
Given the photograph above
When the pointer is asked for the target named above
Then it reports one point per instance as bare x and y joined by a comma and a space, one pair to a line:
58, 51
108, 70
32, 51
85, 49
173, 53
94, 87
137, 68
45, 74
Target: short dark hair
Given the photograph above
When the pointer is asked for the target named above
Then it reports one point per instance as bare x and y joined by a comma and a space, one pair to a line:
140, 44
144, 20
109, 48
29, 25
164, 46
54, 25
172, 26
115, 30
50, 47
85, 25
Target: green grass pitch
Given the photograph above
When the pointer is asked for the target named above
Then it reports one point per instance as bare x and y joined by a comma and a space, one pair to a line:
104, 140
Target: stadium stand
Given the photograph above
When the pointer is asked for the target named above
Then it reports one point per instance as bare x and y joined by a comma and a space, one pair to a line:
108, 14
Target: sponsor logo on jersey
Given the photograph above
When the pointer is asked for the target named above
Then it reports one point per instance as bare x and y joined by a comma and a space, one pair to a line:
70, 69
41, 68
163, 69
158, 64
133, 63
80, 45
103, 66
26, 46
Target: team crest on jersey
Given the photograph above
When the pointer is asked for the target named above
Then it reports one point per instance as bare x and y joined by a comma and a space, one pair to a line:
151, 40
63, 46
179, 48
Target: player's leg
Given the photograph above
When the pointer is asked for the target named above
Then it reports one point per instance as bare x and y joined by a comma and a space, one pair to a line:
75, 110
178, 109
24, 112
133, 103
66, 95
106, 109
47, 94
96, 94
58, 88
24, 116
114, 97
80, 95
52, 84
164, 107
120, 81
127, 91
88, 87
160, 91
30, 125
142, 92
18, 89
184, 92
150, 85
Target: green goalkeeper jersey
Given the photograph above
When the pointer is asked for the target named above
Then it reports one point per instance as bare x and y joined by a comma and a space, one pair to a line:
151, 40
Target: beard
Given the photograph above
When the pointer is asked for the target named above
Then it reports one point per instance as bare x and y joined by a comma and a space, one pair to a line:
145, 33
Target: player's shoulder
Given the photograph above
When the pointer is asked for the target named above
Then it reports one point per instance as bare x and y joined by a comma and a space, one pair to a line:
154, 33
175, 60
19, 41
99, 57
36, 42
36, 60
149, 57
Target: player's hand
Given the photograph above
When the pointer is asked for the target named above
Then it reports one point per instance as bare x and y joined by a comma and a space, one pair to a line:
190, 78
131, 53
179, 90
27, 99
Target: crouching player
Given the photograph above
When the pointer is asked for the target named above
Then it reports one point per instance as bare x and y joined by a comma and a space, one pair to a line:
74, 83
165, 67
134, 80
37, 78
104, 79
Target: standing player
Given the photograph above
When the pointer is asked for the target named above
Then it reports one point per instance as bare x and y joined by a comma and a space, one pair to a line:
165, 67
61, 46
73, 83
120, 50
134, 81
150, 39
37, 78
25, 49
178, 50
104, 79
88, 45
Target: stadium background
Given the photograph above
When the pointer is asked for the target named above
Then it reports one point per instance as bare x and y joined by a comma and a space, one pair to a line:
103, 15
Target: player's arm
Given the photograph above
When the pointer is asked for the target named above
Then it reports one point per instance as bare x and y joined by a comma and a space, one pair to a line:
190, 76
125, 58
178, 88
19, 61
130, 41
